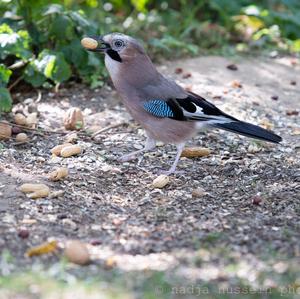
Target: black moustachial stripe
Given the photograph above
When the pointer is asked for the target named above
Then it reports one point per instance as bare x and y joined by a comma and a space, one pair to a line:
114, 55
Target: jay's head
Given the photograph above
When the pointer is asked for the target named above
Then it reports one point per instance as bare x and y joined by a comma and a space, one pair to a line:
119, 47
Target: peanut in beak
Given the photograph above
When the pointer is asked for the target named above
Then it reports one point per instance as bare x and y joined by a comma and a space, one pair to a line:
89, 43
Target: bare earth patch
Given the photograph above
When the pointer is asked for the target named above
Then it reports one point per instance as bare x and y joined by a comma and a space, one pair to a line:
242, 228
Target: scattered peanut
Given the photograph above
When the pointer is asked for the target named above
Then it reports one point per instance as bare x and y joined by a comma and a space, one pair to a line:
71, 138
236, 84
89, 43
58, 174
73, 119
71, 150
161, 181
20, 119
5, 130
22, 137
57, 149
266, 124
296, 131
76, 252
193, 152
35, 190
31, 120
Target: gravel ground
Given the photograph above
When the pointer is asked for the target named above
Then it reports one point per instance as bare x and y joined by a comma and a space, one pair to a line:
240, 205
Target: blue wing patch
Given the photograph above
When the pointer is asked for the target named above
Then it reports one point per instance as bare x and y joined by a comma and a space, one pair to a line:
158, 108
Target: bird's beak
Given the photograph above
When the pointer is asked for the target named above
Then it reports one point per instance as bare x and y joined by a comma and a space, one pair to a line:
95, 44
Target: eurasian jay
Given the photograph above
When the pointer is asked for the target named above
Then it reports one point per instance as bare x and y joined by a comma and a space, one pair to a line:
166, 111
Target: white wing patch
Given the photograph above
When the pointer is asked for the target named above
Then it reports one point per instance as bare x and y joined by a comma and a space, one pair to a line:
209, 119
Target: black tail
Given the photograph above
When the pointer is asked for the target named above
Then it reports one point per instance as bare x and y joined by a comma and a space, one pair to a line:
249, 130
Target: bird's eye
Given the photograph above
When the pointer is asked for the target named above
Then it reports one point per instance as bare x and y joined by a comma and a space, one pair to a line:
118, 43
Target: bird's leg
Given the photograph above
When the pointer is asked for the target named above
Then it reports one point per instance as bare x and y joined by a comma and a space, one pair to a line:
180, 148
149, 145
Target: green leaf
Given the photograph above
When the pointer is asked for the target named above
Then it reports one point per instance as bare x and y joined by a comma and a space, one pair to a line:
79, 19
53, 9
14, 43
33, 74
5, 100
5, 74
140, 5
49, 65
62, 28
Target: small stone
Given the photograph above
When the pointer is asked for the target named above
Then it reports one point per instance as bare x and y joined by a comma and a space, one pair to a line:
274, 98
186, 75
161, 181
198, 192
256, 200
76, 252
292, 113
23, 233
22, 137
232, 67
69, 222
95, 242
178, 70
16, 130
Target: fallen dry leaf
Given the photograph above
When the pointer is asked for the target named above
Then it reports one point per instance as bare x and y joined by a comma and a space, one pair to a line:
44, 248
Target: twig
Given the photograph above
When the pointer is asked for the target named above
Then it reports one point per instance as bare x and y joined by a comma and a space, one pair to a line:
15, 83
107, 128
17, 65
31, 129
39, 97
56, 88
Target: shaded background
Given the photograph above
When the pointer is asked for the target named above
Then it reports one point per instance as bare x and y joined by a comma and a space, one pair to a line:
40, 40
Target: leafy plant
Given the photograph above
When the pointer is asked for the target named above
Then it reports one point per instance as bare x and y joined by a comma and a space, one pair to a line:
40, 40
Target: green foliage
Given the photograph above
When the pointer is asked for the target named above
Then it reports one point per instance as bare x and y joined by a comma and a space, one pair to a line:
40, 40
5, 100
49, 65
